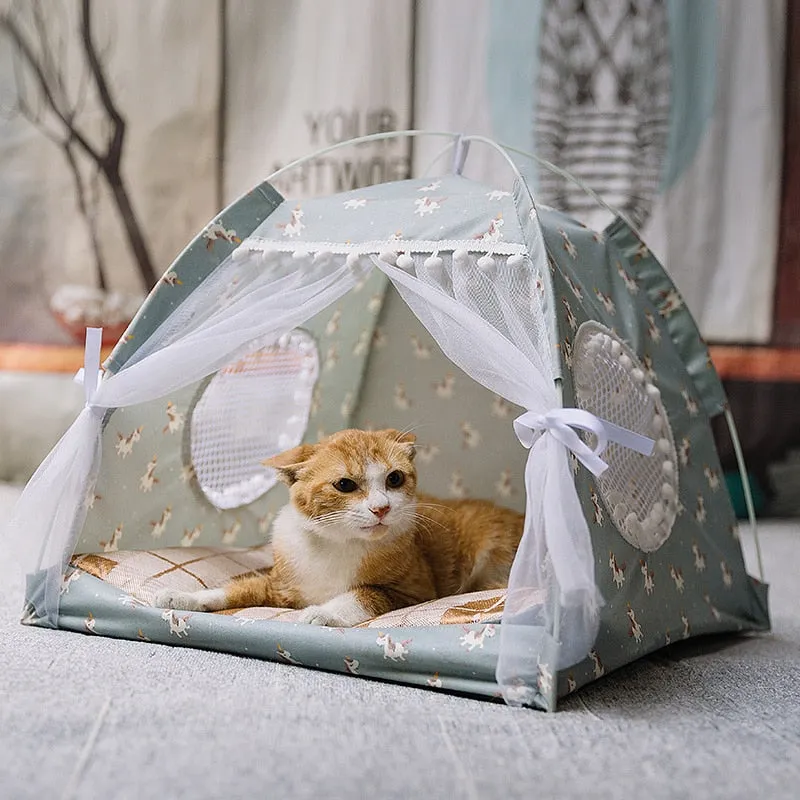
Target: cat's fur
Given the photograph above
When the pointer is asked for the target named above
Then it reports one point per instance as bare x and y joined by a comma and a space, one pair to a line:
347, 556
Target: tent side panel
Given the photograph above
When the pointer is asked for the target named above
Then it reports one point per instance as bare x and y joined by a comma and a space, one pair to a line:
696, 582
147, 494
672, 310
197, 261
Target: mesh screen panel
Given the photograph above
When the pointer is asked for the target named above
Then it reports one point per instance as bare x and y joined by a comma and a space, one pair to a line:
253, 408
640, 492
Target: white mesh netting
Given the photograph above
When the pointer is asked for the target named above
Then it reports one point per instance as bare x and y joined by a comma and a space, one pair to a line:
488, 318
504, 290
640, 492
253, 408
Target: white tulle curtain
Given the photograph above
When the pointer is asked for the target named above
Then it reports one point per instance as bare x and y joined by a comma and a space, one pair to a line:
491, 324
237, 305
486, 314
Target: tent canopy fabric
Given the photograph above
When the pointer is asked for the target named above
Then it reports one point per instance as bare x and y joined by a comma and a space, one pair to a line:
488, 275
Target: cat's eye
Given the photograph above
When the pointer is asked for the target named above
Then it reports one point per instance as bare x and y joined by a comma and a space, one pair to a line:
395, 479
345, 485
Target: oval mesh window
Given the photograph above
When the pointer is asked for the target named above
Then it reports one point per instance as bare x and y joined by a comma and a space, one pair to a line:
251, 409
640, 492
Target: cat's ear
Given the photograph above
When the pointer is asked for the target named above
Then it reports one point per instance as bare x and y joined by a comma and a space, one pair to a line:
403, 438
288, 463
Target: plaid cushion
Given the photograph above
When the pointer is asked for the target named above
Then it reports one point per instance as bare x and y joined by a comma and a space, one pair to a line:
143, 573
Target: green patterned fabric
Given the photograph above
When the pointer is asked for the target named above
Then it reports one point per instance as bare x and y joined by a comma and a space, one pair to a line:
676, 591
147, 492
379, 367
451, 658
197, 261
466, 444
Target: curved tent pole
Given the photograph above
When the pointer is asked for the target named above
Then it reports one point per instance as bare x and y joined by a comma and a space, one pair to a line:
748, 495
372, 137
501, 148
548, 165
455, 138
438, 157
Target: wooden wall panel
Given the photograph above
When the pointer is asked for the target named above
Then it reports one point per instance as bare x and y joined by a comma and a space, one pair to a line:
786, 324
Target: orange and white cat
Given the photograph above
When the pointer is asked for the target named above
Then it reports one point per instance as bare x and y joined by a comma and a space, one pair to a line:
357, 540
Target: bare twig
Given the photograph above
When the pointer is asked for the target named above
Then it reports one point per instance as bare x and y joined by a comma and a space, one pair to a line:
88, 211
40, 72
113, 153
26, 51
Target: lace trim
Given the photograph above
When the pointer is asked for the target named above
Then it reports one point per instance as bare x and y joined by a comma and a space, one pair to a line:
258, 244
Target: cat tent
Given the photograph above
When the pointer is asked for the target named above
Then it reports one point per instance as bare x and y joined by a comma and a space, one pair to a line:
544, 365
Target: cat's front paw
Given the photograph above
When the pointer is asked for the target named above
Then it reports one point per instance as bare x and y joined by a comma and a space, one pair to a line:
172, 598
319, 615
202, 600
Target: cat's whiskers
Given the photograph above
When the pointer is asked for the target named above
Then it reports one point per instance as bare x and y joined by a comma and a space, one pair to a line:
400, 434
329, 514
425, 525
413, 516
409, 429
419, 521
331, 518
422, 517
348, 519
433, 505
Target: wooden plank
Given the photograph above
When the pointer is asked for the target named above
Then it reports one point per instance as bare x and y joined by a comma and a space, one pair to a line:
43, 357
786, 319
757, 364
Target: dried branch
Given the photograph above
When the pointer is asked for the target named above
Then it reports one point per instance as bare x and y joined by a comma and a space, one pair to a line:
26, 109
45, 49
81, 94
109, 34
48, 76
114, 150
89, 214
26, 51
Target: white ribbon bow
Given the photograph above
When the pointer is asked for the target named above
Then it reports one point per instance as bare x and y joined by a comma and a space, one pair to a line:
91, 364
555, 525
560, 423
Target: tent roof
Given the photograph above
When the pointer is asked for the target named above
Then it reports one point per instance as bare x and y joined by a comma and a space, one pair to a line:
419, 214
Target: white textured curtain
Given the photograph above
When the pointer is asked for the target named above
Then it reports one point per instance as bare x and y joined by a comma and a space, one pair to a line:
715, 225
305, 75
704, 156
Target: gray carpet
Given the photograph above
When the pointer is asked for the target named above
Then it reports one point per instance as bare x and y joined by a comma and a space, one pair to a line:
87, 717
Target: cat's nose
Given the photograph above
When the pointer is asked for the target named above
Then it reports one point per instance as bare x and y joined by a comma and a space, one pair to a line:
381, 511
